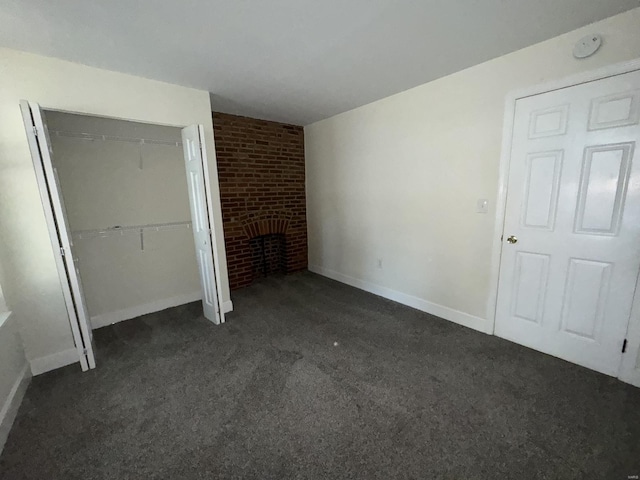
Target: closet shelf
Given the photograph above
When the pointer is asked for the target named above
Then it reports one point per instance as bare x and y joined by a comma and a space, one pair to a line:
129, 229
113, 138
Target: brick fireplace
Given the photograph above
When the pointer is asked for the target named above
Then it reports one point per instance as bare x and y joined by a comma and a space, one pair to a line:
262, 192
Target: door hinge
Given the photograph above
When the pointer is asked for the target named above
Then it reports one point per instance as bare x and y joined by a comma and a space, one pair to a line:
35, 130
84, 351
624, 346
62, 251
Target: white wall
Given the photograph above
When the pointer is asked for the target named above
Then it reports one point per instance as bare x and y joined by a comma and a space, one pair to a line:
14, 374
30, 280
398, 179
107, 183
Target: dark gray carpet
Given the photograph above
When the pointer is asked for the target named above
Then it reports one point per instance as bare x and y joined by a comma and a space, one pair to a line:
269, 396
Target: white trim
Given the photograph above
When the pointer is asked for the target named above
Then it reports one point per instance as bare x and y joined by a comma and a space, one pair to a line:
577, 79
501, 206
110, 318
227, 306
12, 403
456, 316
55, 360
4, 316
629, 370
505, 158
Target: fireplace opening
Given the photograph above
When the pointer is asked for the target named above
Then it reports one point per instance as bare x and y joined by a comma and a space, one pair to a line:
268, 255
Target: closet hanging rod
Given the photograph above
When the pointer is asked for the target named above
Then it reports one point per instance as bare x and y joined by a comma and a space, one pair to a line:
113, 138
118, 230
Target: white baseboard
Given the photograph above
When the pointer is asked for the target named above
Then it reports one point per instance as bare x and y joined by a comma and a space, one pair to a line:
12, 403
456, 316
227, 306
53, 361
110, 318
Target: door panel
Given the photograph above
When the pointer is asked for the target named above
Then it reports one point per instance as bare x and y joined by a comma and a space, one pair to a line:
542, 182
566, 287
585, 297
60, 234
548, 122
202, 233
53, 232
616, 110
605, 174
530, 284
64, 233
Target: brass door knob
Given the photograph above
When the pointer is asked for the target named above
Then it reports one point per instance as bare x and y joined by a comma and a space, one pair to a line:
512, 239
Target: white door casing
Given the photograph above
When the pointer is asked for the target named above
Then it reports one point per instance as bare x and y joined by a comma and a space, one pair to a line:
59, 233
567, 286
200, 205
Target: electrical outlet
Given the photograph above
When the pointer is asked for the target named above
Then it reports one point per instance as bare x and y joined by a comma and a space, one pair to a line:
482, 206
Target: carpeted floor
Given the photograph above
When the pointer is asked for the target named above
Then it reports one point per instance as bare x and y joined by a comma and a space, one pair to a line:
312, 379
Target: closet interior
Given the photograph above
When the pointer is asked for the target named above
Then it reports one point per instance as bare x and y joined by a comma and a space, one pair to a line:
126, 196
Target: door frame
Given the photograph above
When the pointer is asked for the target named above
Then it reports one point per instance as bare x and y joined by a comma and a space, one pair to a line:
628, 371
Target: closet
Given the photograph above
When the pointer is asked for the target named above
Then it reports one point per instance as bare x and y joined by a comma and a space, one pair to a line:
125, 191
128, 209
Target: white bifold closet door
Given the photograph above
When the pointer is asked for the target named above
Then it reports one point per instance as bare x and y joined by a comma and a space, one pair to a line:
59, 233
195, 156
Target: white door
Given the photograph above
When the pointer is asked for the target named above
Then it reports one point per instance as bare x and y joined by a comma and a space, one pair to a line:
571, 250
200, 203
56, 216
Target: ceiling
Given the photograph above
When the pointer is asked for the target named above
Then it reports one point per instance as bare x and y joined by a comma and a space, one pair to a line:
295, 61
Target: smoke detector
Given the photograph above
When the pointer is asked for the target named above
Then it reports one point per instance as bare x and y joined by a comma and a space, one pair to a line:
587, 46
